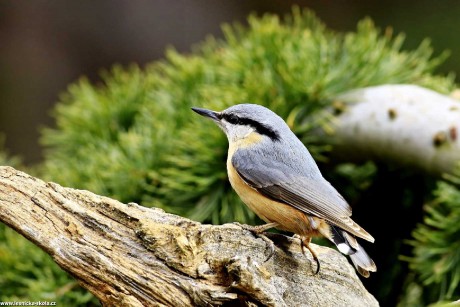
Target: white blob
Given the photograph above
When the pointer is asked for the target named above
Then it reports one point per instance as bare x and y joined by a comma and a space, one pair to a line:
344, 248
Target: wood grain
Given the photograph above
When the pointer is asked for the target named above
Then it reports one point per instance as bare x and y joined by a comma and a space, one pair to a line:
129, 255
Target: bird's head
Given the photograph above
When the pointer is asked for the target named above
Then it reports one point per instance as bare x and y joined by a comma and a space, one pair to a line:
241, 120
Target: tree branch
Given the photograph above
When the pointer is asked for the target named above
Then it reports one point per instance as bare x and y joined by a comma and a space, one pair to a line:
128, 255
405, 124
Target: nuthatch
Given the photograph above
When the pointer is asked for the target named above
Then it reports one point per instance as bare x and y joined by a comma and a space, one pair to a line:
276, 177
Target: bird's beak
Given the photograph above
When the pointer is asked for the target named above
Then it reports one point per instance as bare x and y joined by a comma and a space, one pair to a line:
207, 113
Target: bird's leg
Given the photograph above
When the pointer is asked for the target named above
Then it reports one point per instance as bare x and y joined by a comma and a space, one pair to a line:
259, 228
305, 242
258, 231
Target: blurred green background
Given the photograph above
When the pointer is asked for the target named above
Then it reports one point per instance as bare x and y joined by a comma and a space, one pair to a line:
45, 45
107, 137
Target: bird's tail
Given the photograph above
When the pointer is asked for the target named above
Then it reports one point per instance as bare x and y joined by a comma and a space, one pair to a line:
347, 244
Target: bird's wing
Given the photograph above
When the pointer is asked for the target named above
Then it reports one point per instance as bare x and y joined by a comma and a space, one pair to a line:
281, 182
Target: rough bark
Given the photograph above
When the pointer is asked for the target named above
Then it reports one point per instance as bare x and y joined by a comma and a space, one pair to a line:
406, 124
128, 255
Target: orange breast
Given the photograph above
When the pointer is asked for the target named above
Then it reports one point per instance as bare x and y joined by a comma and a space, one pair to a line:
289, 218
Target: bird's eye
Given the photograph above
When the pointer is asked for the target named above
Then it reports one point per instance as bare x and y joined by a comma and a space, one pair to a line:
232, 119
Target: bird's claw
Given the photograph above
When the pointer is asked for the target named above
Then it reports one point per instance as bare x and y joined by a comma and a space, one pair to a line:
258, 231
306, 243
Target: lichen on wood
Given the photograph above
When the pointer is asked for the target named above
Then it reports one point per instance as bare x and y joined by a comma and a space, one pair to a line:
129, 255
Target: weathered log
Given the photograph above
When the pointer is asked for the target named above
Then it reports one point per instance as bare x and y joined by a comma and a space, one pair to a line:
404, 124
129, 255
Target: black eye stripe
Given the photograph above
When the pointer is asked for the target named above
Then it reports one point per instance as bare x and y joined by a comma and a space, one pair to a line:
232, 119
259, 127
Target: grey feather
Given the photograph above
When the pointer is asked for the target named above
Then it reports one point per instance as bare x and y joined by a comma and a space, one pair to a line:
362, 262
285, 171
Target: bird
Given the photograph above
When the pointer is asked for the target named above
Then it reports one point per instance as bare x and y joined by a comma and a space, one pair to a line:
275, 175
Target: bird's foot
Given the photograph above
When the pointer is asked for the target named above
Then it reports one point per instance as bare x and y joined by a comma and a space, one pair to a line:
305, 242
259, 232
